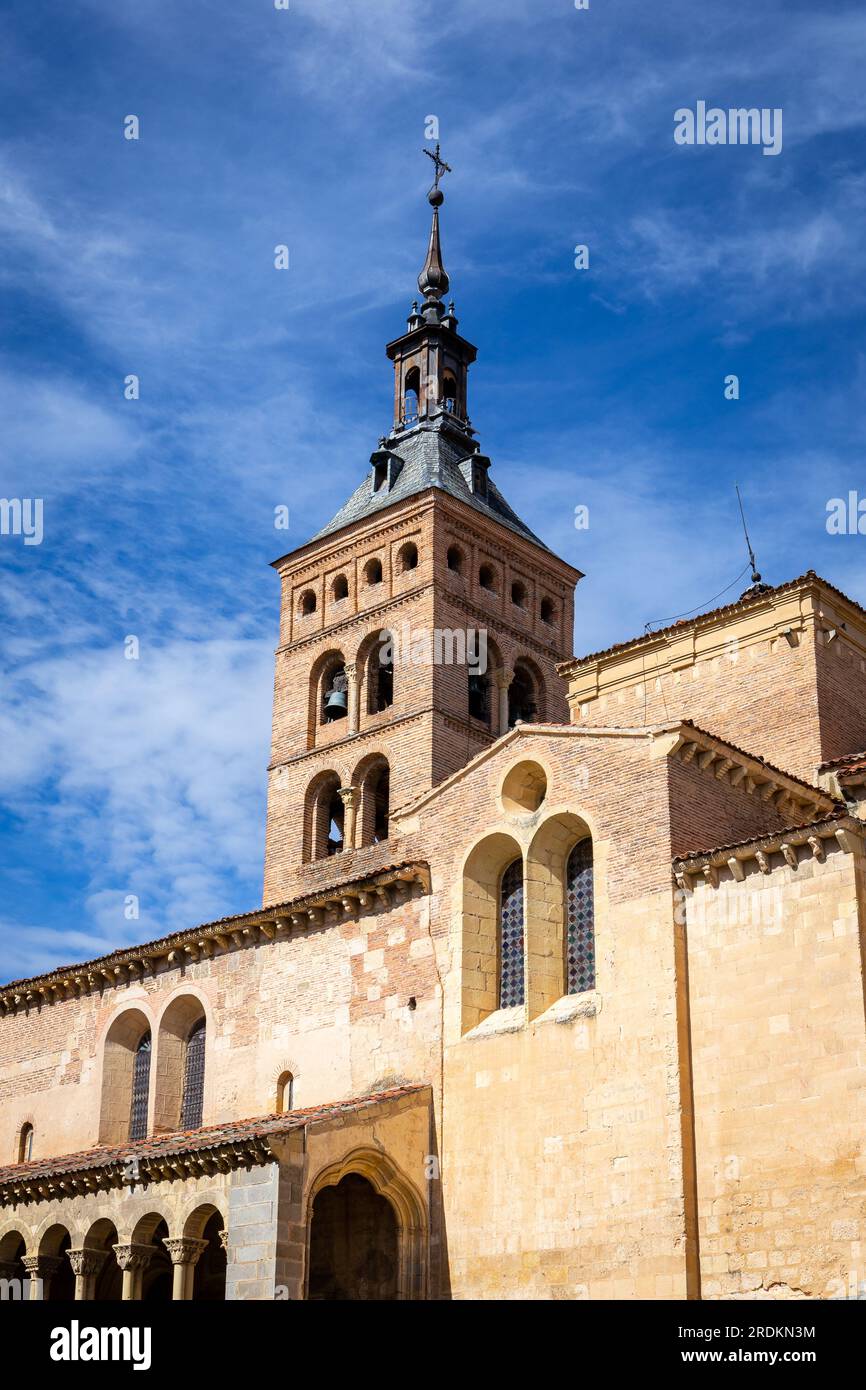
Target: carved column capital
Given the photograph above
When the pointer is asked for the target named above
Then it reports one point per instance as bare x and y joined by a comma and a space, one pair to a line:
133, 1256
86, 1262
224, 1239
184, 1250
348, 796
42, 1266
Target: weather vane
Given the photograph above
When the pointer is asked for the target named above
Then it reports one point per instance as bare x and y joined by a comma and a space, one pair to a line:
441, 166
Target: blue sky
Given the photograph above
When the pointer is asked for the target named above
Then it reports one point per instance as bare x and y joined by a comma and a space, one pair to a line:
259, 388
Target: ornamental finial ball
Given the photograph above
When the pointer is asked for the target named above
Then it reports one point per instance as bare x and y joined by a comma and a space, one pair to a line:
436, 197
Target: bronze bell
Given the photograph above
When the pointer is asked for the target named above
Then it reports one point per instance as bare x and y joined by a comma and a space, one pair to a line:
336, 699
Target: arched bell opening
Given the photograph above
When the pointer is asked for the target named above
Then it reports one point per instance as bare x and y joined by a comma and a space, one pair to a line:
324, 817
525, 694
373, 778
335, 698
380, 675
411, 397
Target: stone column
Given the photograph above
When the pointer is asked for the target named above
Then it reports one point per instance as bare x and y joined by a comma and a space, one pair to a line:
185, 1253
133, 1261
349, 798
352, 695
41, 1269
503, 681
86, 1264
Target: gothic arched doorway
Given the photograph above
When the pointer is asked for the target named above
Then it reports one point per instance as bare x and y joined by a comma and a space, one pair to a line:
353, 1243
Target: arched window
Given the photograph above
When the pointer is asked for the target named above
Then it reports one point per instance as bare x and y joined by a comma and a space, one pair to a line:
25, 1144
380, 674
522, 697
308, 602
335, 812
373, 571
411, 394
449, 393
285, 1093
548, 610
193, 1077
140, 1088
454, 559
580, 920
375, 785
324, 813
340, 588
511, 979
518, 594
479, 697
407, 557
487, 578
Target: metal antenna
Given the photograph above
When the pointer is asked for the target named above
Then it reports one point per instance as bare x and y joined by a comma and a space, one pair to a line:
756, 578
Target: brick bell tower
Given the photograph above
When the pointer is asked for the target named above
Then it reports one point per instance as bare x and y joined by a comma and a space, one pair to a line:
416, 628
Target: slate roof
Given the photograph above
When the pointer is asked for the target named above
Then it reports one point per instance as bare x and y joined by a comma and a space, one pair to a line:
196, 1140
431, 457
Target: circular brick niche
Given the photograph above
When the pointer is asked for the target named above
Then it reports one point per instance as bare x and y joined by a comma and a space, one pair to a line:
524, 788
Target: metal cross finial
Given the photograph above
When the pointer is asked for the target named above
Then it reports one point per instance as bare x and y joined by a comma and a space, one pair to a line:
441, 166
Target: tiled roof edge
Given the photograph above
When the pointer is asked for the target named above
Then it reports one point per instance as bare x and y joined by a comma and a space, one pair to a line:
255, 923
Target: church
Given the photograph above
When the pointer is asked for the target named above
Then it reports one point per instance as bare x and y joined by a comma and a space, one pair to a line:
556, 990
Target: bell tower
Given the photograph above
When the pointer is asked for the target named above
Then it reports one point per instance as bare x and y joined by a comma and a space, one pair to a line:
416, 627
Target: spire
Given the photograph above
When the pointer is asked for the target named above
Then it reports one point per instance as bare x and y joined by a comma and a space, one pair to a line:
433, 281
431, 359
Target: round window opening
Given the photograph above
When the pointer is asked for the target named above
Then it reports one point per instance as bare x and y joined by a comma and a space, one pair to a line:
524, 788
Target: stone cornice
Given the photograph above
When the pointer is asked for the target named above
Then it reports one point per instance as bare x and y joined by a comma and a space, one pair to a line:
788, 795
846, 831
347, 899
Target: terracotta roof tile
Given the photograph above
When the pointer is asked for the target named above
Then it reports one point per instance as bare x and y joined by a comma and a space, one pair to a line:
193, 1140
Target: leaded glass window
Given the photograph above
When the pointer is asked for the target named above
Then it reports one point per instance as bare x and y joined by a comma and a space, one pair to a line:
193, 1079
580, 920
511, 986
140, 1088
